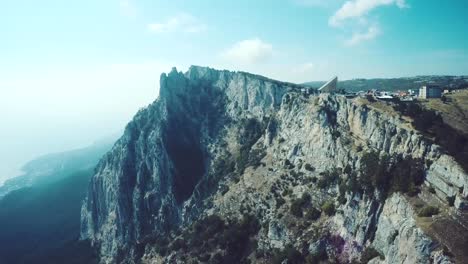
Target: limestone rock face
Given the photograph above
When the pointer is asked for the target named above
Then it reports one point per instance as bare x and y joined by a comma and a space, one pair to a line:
182, 158
143, 185
398, 236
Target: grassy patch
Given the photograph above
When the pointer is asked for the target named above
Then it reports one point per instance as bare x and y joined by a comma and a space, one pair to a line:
428, 211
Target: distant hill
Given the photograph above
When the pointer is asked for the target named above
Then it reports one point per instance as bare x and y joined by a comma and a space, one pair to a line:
40, 211
53, 167
40, 221
394, 84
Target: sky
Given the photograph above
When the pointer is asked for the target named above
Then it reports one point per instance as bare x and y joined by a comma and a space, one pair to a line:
72, 72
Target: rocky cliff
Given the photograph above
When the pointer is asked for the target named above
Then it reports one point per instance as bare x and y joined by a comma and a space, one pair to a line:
233, 144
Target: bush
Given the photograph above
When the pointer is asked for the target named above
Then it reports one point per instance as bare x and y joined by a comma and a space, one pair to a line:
322, 183
451, 200
329, 178
370, 98
297, 205
433, 126
312, 214
328, 208
370, 166
342, 199
390, 174
428, 211
319, 257
309, 167
290, 254
370, 253
347, 170
251, 131
296, 208
286, 192
352, 184
237, 237
288, 165
279, 202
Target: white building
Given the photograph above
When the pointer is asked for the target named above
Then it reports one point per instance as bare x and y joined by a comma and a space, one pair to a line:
430, 91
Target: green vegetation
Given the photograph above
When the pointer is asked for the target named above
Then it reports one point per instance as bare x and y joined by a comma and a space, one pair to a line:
328, 208
312, 214
204, 239
431, 124
428, 211
369, 254
309, 167
294, 256
290, 254
279, 202
328, 178
251, 131
297, 205
451, 200
370, 98
396, 174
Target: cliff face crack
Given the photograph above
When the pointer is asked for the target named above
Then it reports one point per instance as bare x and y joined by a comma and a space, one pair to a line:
186, 154
193, 119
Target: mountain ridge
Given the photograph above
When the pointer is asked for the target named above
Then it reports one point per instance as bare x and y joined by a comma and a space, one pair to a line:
236, 146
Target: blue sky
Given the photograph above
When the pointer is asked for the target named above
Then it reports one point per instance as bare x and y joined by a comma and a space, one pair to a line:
74, 71
369, 38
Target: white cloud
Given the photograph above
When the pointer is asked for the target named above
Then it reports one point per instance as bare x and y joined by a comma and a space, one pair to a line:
358, 37
127, 8
359, 8
250, 51
182, 22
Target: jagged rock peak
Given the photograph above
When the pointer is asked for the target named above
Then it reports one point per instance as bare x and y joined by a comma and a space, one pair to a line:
252, 93
175, 79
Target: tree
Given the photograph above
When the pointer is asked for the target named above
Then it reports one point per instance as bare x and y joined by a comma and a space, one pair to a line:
369, 166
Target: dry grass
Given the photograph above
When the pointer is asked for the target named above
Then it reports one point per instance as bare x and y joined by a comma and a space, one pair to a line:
386, 108
454, 112
379, 106
447, 228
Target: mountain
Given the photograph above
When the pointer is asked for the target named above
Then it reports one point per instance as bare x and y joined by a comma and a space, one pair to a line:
40, 213
53, 167
395, 84
231, 167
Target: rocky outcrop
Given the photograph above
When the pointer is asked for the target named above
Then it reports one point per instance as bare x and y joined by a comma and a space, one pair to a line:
233, 143
145, 183
397, 236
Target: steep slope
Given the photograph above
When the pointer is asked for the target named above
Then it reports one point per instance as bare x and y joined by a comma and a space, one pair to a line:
40, 213
38, 220
273, 171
